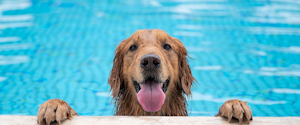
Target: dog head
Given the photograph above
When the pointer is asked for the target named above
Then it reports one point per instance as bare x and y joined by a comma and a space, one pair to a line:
150, 66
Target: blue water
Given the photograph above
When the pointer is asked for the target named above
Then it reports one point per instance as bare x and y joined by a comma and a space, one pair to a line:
248, 50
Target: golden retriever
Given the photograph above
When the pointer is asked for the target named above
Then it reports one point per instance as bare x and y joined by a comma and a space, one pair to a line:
150, 77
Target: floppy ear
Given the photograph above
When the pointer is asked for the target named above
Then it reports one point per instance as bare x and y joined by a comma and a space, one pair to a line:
116, 79
185, 75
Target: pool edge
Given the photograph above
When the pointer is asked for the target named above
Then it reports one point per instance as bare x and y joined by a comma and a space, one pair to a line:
119, 120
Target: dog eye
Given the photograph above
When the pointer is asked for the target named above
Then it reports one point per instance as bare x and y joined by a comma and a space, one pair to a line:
133, 47
167, 47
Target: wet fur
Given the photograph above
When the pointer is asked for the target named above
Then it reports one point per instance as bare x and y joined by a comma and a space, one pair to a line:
126, 68
175, 66
55, 110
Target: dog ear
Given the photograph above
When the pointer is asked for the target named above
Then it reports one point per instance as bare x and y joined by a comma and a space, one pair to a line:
116, 79
185, 75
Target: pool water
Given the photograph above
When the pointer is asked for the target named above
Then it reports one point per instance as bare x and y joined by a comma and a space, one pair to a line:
249, 50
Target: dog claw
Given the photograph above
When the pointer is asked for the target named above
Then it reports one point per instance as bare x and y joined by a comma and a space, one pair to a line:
58, 122
54, 110
237, 109
229, 120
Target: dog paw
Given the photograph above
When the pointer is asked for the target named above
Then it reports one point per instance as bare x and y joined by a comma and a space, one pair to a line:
54, 110
237, 109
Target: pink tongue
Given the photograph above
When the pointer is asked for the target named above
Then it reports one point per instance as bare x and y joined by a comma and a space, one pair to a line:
151, 96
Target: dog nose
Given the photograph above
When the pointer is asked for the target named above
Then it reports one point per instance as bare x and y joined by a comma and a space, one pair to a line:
150, 62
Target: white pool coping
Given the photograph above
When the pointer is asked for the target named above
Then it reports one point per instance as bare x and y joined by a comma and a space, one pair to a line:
150, 120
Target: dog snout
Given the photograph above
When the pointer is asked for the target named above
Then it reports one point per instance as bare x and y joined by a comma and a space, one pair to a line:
150, 62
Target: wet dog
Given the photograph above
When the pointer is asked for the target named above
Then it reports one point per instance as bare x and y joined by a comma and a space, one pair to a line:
150, 77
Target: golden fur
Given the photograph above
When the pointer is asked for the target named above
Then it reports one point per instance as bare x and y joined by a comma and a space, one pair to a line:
55, 110
174, 65
126, 69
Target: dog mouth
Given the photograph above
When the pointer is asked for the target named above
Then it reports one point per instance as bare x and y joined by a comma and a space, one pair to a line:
164, 85
151, 93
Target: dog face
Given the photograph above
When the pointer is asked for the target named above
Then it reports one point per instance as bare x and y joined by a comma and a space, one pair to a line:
149, 66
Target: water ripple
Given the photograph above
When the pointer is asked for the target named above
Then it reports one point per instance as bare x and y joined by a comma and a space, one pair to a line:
9, 39
264, 101
286, 91
6, 60
2, 79
293, 70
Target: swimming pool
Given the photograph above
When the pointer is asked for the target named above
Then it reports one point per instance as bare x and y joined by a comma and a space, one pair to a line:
248, 50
